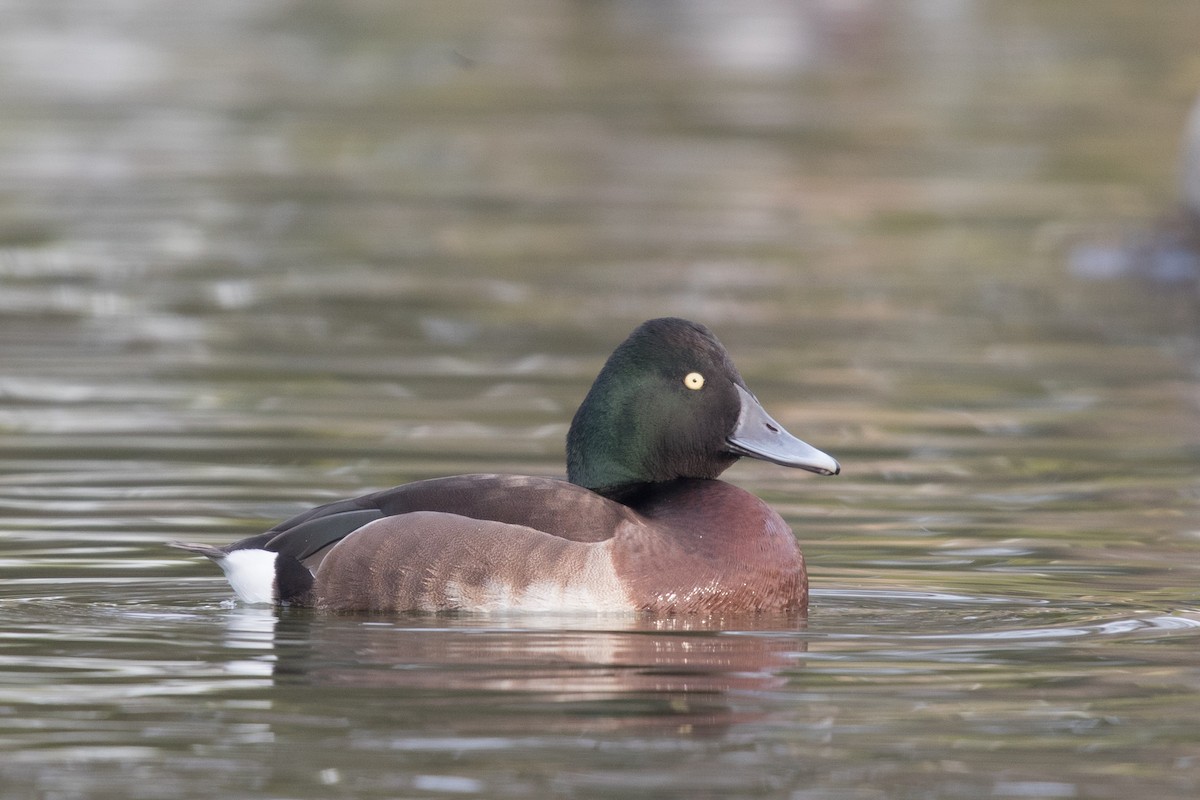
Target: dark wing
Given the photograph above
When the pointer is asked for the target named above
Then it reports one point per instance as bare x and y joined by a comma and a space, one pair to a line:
545, 504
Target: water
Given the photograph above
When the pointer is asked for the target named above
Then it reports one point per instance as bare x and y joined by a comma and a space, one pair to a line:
256, 256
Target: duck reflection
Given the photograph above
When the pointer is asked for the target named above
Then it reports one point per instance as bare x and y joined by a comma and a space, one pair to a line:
250, 632
618, 672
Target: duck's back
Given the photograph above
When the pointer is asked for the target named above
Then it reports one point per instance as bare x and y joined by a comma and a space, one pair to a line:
548, 505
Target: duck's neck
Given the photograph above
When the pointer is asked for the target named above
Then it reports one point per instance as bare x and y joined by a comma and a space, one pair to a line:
603, 472
607, 447
635, 495
613, 453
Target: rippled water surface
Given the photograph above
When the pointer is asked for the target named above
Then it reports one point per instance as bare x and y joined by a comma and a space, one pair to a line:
260, 255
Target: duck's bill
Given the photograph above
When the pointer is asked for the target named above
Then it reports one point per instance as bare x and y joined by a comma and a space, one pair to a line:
758, 436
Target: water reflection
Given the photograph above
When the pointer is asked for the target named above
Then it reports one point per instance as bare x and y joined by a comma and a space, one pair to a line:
708, 678
251, 629
633, 672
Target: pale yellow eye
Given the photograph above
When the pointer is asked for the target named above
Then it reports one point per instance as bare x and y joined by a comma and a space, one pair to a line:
694, 381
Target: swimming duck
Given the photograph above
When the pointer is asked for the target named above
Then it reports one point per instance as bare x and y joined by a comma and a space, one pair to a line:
640, 524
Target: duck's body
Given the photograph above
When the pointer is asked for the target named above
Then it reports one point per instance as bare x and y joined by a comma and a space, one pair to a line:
642, 524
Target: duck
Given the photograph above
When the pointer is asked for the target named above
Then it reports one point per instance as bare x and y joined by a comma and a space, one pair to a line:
641, 524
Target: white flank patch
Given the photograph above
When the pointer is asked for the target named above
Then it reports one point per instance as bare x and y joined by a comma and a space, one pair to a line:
553, 596
539, 596
593, 590
251, 573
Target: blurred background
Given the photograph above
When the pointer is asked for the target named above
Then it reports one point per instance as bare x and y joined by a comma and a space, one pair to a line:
260, 254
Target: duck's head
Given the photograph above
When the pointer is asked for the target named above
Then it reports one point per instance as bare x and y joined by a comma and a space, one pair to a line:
669, 403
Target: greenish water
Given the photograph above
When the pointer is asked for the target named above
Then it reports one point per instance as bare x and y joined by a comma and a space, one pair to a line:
260, 255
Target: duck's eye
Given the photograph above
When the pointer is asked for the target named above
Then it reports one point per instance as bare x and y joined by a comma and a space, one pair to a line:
694, 381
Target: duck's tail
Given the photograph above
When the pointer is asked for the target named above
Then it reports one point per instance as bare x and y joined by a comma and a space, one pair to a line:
259, 577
